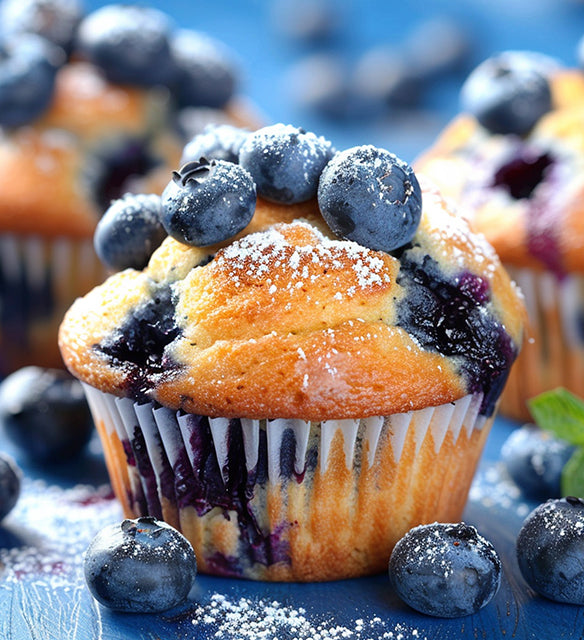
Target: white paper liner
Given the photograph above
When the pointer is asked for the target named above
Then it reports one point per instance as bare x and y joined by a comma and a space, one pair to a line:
168, 435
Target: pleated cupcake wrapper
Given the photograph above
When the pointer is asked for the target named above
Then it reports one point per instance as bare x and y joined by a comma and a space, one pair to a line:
555, 355
39, 280
167, 436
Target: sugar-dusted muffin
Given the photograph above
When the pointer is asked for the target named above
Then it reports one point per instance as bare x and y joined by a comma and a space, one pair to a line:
72, 137
513, 162
292, 400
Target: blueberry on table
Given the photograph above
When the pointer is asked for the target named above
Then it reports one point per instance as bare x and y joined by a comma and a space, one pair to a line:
206, 70
207, 202
215, 142
285, 162
10, 481
550, 550
44, 413
445, 570
140, 566
370, 196
508, 93
534, 459
130, 231
28, 66
130, 43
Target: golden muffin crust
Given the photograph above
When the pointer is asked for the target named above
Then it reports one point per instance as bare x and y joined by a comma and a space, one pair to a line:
288, 322
543, 229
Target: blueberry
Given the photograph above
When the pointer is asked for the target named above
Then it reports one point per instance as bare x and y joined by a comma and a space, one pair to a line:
208, 202
140, 566
207, 73
131, 44
535, 459
10, 482
285, 162
217, 141
508, 93
306, 21
370, 196
550, 550
44, 414
55, 20
28, 66
445, 570
129, 231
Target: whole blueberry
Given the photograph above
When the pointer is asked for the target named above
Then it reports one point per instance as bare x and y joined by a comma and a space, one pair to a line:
368, 195
43, 412
285, 162
207, 74
10, 482
445, 570
28, 66
130, 43
55, 20
207, 202
507, 93
535, 459
140, 566
550, 550
129, 231
216, 142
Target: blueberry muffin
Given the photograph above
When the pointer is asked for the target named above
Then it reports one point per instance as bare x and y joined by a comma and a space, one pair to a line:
513, 162
294, 398
81, 122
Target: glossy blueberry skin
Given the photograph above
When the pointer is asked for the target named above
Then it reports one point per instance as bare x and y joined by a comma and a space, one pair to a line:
28, 66
140, 566
55, 20
535, 459
370, 196
43, 412
207, 74
10, 483
129, 231
508, 93
550, 550
285, 162
130, 43
215, 142
445, 570
208, 202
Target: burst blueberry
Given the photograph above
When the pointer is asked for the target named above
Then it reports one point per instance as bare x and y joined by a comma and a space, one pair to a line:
140, 566
508, 93
28, 67
445, 570
130, 231
370, 196
10, 484
44, 414
206, 70
535, 459
215, 142
130, 43
207, 202
285, 162
550, 550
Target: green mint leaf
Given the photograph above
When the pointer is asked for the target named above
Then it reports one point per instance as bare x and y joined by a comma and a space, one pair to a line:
560, 412
573, 475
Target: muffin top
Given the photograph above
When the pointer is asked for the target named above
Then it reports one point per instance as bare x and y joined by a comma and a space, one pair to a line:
513, 160
288, 319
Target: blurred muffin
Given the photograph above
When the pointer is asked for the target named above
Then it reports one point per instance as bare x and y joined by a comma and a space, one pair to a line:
81, 123
514, 164
293, 401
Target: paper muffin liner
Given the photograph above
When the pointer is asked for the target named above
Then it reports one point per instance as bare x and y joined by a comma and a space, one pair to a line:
39, 280
288, 499
553, 355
